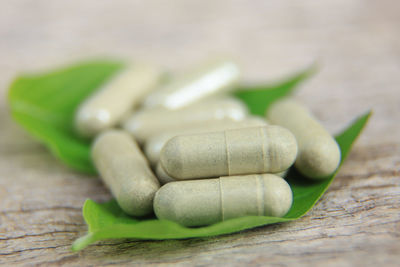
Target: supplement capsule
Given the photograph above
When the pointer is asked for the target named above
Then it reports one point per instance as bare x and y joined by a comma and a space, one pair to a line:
319, 154
155, 143
149, 122
203, 202
214, 77
125, 171
108, 105
266, 149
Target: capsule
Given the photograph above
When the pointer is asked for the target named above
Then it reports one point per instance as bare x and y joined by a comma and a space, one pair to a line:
155, 143
125, 171
319, 154
211, 78
266, 149
150, 122
204, 202
108, 105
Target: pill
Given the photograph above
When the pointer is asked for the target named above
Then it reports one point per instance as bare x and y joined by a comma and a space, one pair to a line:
125, 171
155, 143
266, 149
210, 78
319, 154
204, 202
105, 107
149, 122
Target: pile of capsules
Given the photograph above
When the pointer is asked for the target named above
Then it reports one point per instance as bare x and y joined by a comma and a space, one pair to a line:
214, 160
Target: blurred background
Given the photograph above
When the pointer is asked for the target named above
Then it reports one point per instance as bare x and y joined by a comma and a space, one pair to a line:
355, 42
357, 46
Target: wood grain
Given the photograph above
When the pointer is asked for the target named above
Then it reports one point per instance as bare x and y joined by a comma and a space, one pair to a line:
357, 43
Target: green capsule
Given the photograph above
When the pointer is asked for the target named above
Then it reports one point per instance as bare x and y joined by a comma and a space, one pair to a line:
125, 171
265, 149
319, 154
204, 202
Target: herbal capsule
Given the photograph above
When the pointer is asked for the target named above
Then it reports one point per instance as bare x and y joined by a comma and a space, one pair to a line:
150, 122
267, 149
319, 154
125, 171
164, 178
155, 143
107, 106
203, 202
214, 77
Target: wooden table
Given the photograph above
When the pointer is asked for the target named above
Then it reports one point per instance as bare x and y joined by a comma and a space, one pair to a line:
357, 43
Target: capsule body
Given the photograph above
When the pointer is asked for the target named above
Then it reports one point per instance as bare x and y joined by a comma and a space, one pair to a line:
203, 202
109, 104
209, 79
319, 154
155, 143
150, 122
266, 149
125, 171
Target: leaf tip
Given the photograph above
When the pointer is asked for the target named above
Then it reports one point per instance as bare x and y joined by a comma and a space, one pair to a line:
82, 242
312, 69
364, 118
369, 113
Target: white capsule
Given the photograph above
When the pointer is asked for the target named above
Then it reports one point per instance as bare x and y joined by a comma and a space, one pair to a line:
105, 108
155, 143
203, 202
214, 77
266, 149
149, 122
125, 171
319, 154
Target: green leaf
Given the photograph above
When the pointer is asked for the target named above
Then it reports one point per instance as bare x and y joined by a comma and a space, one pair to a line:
44, 105
109, 221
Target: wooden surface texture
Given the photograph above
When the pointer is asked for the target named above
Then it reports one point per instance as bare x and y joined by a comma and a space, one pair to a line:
357, 44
